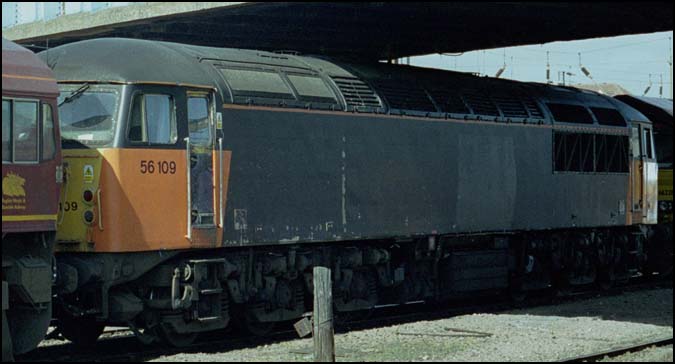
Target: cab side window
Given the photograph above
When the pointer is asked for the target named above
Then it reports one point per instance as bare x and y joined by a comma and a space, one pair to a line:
635, 142
647, 142
48, 143
152, 120
198, 120
25, 133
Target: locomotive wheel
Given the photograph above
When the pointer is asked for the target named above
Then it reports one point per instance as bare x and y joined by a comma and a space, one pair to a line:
258, 328
517, 295
7, 354
81, 331
173, 339
563, 287
244, 320
25, 322
516, 292
27, 328
606, 278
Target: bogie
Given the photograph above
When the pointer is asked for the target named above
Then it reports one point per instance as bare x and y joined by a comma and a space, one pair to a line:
257, 289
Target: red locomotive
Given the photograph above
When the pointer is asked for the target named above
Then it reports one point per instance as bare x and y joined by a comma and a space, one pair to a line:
31, 179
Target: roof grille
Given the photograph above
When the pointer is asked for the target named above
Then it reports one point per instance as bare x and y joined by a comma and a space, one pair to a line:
404, 96
532, 107
607, 116
511, 107
481, 104
357, 93
449, 101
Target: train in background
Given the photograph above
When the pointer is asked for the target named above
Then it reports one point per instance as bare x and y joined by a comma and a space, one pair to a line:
31, 179
203, 184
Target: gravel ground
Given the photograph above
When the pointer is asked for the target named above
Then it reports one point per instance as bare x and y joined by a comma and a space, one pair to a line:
536, 334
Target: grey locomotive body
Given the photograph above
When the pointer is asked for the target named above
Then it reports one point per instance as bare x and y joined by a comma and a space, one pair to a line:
412, 184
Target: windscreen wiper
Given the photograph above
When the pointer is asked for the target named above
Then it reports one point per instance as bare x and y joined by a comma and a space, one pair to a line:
75, 94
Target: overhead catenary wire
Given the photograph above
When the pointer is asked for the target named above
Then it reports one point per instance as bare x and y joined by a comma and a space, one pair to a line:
535, 62
585, 70
513, 67
592, 50
501, 70
625, 45
648, 87
620, 68
625, 71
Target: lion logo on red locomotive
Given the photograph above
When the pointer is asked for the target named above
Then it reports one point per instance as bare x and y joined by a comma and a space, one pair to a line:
12, 185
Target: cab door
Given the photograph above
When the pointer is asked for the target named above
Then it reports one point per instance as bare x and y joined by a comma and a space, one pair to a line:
644, 173
31, 167
202, 191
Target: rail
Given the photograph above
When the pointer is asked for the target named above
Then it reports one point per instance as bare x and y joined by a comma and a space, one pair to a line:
619, 351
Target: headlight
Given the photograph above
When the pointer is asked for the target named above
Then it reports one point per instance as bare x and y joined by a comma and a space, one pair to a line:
88, 216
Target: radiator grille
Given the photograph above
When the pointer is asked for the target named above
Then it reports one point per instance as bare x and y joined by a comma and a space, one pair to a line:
404, 96
481, 104
357, 93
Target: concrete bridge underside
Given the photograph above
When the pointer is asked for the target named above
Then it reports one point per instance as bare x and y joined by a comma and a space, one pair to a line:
375, 30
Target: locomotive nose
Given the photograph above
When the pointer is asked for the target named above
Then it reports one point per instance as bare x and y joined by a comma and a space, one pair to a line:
79, 207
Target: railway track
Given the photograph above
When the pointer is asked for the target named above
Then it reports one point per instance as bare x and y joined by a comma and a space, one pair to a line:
107, 349
619, 350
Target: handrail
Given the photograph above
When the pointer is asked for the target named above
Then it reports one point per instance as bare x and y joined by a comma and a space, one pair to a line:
189, 190
221, 218
63, 195
100, 210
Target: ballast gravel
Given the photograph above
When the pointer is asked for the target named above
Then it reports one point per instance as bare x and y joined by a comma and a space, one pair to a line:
545, 333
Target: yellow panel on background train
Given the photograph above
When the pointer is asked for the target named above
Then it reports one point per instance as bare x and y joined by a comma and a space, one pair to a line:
203, 184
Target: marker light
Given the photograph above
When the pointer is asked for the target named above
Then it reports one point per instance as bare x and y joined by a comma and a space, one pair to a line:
88, 196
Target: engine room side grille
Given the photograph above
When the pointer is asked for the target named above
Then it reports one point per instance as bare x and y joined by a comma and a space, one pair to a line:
357, 93
510, 106
481, 104
404, 96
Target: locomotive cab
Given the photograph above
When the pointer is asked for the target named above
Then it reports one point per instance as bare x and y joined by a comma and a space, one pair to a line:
145, 172
660, 113
160, 139
644, 171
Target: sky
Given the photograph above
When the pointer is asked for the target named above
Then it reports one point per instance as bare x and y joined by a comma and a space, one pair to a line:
625, 60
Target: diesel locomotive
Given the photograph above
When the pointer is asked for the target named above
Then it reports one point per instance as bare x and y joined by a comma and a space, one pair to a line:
203, 184
31, 177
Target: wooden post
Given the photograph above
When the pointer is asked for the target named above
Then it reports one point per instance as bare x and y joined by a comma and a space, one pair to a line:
324, 343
